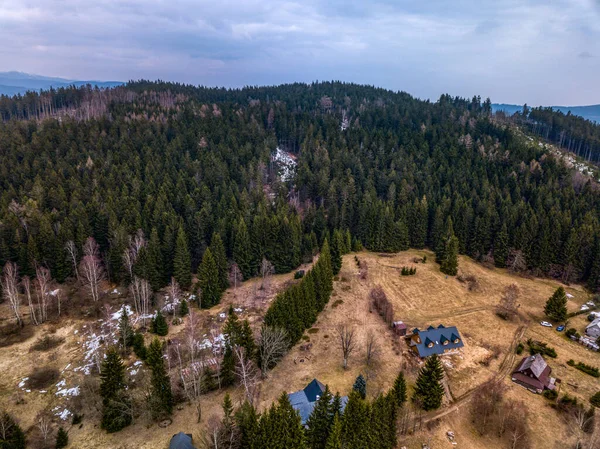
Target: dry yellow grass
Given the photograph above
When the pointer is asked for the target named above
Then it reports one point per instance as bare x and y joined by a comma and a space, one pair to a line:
426, 298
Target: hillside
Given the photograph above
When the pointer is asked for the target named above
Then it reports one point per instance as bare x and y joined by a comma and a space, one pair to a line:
147, 222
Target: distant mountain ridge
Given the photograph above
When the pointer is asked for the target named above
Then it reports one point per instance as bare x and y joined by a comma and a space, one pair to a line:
591, 112
14, 83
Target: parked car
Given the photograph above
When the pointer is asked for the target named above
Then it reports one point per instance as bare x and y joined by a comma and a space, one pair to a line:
560, 328
546, 324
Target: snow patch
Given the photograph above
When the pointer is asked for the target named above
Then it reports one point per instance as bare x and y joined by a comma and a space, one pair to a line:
286, 164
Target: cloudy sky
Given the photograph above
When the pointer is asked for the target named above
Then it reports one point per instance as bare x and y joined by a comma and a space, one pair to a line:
534, 51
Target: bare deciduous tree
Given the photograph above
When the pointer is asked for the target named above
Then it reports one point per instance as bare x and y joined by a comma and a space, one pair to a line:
90, 267
174, 296
44, 425
371, 351
142, 292
273, 343
346, 342
516, 261
10, 289
33, 308
131, 253
42, 290
508, 306
235, 275
247, 374
71, 249
266, 270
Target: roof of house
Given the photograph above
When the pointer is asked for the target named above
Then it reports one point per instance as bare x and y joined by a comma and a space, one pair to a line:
304, 400
595, 323
539, 369
181, 441
437, 336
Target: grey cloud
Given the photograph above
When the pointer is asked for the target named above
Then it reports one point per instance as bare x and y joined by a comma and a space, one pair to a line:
510, 50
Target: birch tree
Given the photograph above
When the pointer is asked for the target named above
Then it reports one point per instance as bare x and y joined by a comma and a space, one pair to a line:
42, 290
71, 249
142, 292
273, 344
90, 267
10, 290
33, 308
131, 253
247, 374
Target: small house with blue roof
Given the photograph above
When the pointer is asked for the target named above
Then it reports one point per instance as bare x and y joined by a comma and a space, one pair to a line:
434, 340
304, 400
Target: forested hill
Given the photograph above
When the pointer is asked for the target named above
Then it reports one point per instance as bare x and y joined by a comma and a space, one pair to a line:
184, 164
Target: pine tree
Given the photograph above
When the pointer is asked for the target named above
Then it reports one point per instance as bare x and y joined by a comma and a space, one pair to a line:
334, 441
218, 252
399, 390
115, 415
556, 306
208, 279
62, 438
182, 263
13, 437
360, 386
242, 250
161, 397
246, 420
429, 391
159, 324
183, 308
320, 421
449, 265
227, 373
336, 252
501, 247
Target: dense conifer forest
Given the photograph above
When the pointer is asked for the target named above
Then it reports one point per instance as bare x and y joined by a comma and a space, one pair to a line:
187, 165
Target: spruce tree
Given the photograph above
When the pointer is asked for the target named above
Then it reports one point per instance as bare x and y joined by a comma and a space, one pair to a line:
336, 252
62, 438
501, 247
593, 281
112, 390
161, 396
360, 386
159, 324
242, 250
320, 421
182, 263
183, 308
208, 279
334, 441
355, 423
218, 252
429, 391
289, 432
139, 348
399, 390
449, 265
556, 306
246, 420
125, 329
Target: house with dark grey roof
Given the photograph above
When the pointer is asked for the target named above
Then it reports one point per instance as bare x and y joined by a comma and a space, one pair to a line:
304, 400
181, 441
533, 373
435, 340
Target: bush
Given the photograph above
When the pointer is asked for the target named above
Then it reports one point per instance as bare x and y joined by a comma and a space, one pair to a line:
550, 394
62, 438
585, 368
595, 399
406, 271
571, 362
299, 274
46, 343
571, 332
520, 348
537, 347
42, 378
591, 317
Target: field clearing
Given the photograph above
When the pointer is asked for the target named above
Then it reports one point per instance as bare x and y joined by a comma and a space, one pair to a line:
427, 298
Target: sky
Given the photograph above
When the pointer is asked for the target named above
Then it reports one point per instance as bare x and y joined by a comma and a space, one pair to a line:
513, 51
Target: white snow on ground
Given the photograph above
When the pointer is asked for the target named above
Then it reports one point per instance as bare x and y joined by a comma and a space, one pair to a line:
238, 310
61, 413
216, 344
569, 295
22, 383
285, 163
68, 391
54, 292
117, 315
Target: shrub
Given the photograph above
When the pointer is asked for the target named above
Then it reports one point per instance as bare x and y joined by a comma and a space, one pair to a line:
595, 399
42, 378
591, 317
299, 274
585, 368
62, 438
46, 343
77, 418
520, 348
571, 332
537, 347
571, 362
550, 394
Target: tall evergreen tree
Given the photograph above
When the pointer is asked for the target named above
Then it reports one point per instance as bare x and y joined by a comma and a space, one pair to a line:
62, 438
429, 391
355, 423
242, 250
13, 437
449, 265
218, 252
182, 262
360, 386
320, 421
115, 415
556, 306
246, 420
399, 390
125, 329
161, 397
159, 324
337, 247
209, 281
334, 441
501, 247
